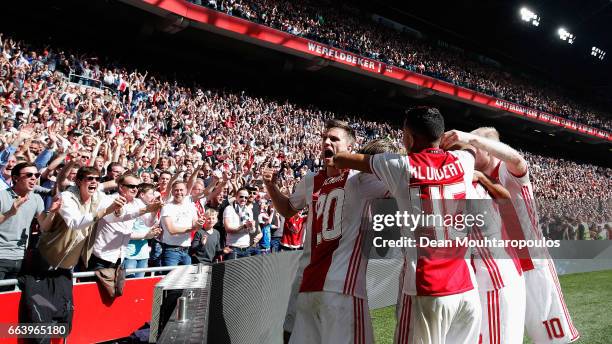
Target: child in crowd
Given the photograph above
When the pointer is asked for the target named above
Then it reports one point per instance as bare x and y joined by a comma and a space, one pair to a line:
206, 244
266, 218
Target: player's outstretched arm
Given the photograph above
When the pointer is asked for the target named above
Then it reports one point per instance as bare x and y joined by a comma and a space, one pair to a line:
515, 162
359, 162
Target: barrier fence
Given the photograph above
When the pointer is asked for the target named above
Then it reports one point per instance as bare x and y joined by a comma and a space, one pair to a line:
77, 275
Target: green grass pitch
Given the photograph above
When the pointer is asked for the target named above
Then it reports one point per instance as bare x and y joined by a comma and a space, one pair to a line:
588, 296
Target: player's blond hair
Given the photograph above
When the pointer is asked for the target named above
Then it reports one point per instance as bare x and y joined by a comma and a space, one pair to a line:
488, 132
378, 146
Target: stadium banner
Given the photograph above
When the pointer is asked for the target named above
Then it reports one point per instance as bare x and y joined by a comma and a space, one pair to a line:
343, 57
275, 38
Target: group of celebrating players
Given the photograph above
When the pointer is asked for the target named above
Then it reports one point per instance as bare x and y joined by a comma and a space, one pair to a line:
485, 296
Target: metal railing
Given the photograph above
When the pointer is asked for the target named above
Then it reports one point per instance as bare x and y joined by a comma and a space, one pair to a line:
76, 275
95, 84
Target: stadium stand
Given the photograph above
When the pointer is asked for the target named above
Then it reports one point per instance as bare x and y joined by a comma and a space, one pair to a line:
62, 109
213, 124
327, 22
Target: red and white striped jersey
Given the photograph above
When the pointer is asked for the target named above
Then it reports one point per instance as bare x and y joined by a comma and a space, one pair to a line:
495, 267
520, 217
332, 258
420, 182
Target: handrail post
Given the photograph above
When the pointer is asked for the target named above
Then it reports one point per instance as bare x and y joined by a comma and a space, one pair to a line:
182, 309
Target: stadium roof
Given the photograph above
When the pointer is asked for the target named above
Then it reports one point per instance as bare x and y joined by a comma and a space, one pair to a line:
494, 28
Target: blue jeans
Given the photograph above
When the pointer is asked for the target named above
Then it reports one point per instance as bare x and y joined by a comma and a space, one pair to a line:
155, 255
275, 244
263, 249
135, 264
173, 256
241, 252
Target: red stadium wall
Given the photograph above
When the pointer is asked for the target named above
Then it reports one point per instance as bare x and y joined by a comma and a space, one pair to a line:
272, 36
93, 320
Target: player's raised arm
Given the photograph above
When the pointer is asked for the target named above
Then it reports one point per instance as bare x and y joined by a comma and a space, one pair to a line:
515, 162
359, 162
279, 200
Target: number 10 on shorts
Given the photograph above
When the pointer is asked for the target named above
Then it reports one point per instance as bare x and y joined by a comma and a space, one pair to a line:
553, 328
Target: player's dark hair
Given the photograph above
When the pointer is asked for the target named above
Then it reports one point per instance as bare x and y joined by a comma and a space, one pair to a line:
335, 123
425, 121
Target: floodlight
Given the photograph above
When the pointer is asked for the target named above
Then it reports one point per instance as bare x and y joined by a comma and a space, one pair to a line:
529, 16
598, 53
566, 35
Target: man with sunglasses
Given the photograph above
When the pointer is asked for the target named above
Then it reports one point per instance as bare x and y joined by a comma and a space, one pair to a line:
253, 203
239, 224
19, 205
83, 206
114, 233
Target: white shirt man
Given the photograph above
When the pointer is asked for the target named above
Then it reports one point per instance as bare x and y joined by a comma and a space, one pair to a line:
114, 230
237, 215
178, 219
181, 214
239, 224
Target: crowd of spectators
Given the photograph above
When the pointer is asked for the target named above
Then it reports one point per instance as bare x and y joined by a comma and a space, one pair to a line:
572, 196
335, 24
171, 141
138, 141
